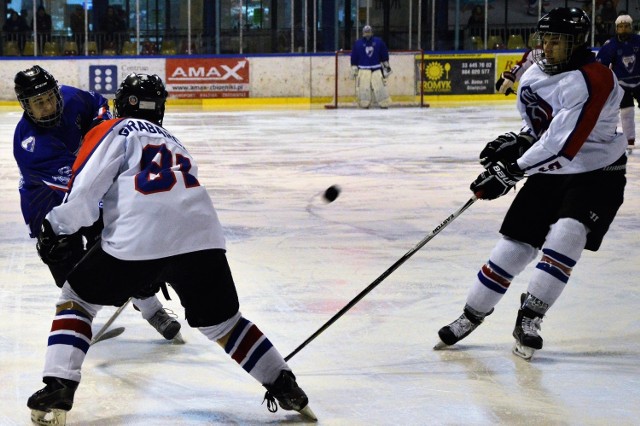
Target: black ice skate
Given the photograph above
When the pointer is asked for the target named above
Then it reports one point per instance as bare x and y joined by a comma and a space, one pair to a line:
526, 331
460, 328
289, 395
50, 404
166, 325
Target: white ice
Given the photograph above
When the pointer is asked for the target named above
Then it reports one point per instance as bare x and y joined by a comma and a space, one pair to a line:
298, 260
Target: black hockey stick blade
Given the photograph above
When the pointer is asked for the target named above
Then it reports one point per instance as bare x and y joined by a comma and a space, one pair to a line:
384, 275
109, 335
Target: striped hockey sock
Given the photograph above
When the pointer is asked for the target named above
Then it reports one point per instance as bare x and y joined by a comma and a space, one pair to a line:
254, 352
69, 341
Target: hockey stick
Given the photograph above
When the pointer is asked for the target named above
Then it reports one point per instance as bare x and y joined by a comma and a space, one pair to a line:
384, 275
114, 332
98, 336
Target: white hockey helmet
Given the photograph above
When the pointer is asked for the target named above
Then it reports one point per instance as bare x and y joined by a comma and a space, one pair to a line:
367, 31
624, 27
624, 19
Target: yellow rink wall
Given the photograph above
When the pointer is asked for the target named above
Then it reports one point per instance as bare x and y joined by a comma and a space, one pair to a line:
270, 81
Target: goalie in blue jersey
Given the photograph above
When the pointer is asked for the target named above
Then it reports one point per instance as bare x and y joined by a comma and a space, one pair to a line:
370, 68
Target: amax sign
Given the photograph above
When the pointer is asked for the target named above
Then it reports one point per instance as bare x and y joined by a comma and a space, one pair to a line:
208, 78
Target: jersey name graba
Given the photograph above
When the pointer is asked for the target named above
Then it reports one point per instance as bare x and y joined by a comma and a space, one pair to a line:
145, 126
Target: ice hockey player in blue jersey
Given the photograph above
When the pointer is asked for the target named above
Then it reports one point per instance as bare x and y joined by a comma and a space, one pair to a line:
370, 67
45, 143
622, 54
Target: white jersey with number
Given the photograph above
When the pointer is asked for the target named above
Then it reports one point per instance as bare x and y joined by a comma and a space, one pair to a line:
153, 203
573, 115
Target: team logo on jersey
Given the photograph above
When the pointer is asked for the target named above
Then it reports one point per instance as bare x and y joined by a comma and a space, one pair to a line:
629, 62
538, 110
29, 144
368, 50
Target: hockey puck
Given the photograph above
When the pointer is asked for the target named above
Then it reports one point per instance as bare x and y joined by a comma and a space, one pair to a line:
331, 193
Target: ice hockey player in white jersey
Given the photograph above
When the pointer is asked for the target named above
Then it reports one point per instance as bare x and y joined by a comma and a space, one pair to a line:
159, 226
507, 79
575, 164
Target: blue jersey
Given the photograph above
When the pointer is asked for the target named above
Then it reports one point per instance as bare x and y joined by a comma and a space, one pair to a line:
369, 54
622, 57
45, 155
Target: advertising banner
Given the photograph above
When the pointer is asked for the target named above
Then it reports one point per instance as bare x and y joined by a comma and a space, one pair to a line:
463, 74
208, 77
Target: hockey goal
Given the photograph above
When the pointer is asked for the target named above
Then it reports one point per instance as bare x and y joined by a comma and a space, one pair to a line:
405, 84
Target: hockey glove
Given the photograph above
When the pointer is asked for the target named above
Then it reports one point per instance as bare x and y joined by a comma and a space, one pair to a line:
53, 249
505, 83
354, 72
496, 180
506, 148
386, 69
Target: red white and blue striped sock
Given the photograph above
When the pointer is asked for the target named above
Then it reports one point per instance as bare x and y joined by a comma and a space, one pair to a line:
254, 352
69, 341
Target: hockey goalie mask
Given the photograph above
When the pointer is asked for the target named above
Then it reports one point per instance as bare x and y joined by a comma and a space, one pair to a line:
560, 33
141, 96
39, 95
624, 27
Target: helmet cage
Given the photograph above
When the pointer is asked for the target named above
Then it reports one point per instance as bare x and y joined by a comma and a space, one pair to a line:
566, 44
560, 32
46, 121
34, 83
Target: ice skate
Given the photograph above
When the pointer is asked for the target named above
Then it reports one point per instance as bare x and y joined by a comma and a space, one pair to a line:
50, 404
166, 325
526, 333
460, 328
289, 395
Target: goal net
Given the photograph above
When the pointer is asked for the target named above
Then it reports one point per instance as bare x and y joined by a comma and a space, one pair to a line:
405, 84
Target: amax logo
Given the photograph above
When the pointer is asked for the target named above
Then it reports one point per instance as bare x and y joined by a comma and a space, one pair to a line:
227, 70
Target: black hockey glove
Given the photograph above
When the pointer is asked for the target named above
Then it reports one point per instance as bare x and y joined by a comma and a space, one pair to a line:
496, 180
386, 69
52, 248
506, 148
505, 83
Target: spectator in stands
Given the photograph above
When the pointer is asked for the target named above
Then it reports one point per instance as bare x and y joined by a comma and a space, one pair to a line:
475, 24
43, 26
532, 9
76, 22
15, 29
112, 26
600, 34
609, 15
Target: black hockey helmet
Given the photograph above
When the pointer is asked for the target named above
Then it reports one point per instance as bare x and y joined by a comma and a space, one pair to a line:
141, 96
566, 28
33, 83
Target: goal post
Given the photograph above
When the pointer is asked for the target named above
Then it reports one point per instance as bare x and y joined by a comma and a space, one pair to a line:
405, 84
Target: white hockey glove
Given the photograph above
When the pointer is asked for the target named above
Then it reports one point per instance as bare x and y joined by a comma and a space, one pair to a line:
354, 71
505, 83
386, 69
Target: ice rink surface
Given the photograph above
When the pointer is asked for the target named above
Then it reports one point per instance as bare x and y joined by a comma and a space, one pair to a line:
298, 260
